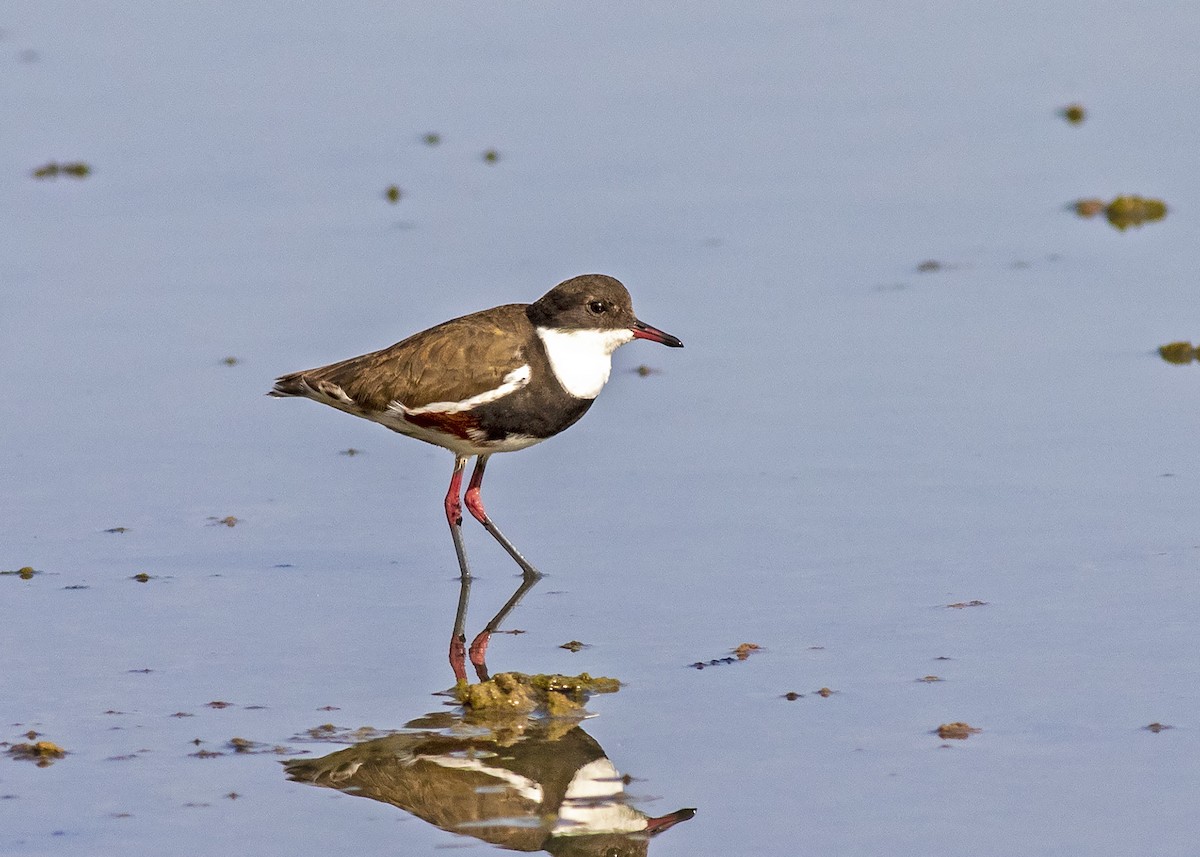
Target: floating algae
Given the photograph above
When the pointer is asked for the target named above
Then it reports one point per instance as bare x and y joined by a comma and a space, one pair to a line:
42, 753
1179, 352
1074, 113
25, 572
1124, 211
53, 170
957, 731
517, 693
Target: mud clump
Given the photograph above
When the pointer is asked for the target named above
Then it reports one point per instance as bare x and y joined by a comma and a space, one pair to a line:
513, 693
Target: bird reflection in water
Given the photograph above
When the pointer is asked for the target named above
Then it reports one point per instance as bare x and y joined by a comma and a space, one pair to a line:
529, 784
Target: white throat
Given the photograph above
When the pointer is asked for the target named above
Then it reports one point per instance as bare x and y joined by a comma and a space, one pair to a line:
582, 359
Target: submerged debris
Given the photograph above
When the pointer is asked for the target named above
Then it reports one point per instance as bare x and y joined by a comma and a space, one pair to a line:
230, 360
491, 156
517, 693
432, 138
958, 605
1179, 352
957, 731
392, 194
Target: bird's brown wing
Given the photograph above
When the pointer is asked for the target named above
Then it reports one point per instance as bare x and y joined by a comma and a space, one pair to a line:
451, 362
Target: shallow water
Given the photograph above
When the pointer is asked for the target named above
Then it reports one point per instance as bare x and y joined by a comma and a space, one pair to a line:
845, 446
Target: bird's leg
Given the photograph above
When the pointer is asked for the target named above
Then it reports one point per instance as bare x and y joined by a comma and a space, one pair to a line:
458, 638
474, 504
454, 513
478, 651
530, 575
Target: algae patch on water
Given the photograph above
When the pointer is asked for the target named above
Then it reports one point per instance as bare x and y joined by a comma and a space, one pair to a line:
25, 572
516, 693
1179, 352
1074, 113
53, 169
42, 753
956, 731
1123, 211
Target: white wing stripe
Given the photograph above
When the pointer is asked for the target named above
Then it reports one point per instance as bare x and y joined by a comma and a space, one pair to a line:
513, 381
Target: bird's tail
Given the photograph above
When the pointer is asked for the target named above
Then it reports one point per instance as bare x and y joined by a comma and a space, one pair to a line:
290, 385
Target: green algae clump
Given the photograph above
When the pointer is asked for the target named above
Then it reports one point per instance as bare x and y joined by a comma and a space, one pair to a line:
1126, 211
520, 694
1179, 352
1074, 113
25, 573
42, 753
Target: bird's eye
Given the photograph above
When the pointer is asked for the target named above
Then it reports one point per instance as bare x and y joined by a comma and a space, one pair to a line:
597, 307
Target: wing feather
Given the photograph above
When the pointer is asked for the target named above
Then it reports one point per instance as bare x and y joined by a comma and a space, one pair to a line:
451, 362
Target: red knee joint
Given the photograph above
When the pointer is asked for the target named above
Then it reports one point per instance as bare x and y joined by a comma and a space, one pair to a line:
475, 505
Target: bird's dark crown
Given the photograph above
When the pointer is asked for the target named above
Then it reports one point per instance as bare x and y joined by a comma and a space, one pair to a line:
587, 302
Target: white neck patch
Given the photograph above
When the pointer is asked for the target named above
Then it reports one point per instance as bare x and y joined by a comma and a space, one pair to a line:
582, 359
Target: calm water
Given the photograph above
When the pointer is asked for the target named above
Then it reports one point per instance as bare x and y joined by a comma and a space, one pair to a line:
845, 446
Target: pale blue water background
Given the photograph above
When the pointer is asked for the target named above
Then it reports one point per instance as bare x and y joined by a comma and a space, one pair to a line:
843, 446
